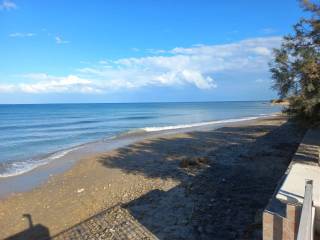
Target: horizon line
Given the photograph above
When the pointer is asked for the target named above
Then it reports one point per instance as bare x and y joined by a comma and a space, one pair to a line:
65, 103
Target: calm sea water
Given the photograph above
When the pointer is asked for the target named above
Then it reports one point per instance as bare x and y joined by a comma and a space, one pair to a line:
32, 135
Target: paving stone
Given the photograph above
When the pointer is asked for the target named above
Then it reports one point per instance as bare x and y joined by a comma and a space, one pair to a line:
114, 224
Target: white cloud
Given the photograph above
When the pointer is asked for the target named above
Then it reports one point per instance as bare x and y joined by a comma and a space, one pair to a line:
242, 48
8, 5
59, 40
46, 84
21, 35
195, 66
262, 51
7, 88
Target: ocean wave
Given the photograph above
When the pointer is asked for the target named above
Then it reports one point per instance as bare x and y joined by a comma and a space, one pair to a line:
48, 125
140, 131
17, 168
10, 169
200, 124
62, 153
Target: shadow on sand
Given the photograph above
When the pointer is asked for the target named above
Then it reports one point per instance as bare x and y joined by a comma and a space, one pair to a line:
37, 231
222, 198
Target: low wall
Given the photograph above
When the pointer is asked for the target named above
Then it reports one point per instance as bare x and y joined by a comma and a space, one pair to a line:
281, 217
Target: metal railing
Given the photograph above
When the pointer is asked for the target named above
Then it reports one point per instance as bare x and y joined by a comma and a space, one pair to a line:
305, 231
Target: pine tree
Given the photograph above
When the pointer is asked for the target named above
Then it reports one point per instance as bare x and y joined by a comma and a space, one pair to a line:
296, 66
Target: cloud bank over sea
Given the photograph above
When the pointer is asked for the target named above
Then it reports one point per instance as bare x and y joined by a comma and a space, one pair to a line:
196, 66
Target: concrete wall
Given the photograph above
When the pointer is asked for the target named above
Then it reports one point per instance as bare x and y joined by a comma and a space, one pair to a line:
281, 217
277, 227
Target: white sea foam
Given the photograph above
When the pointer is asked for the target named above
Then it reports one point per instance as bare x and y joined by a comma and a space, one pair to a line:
18, 168
173, 127
61, 154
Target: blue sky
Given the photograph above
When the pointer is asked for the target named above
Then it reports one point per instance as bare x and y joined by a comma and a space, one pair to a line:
139, 51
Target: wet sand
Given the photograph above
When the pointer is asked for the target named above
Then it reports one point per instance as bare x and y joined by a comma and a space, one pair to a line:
201, 184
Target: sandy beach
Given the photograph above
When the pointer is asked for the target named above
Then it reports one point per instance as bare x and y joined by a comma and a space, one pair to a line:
197, 185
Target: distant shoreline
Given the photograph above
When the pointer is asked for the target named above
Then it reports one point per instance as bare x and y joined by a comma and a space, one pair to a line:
281, 102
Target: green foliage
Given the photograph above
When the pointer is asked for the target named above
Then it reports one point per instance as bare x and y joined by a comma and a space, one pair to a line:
296, 66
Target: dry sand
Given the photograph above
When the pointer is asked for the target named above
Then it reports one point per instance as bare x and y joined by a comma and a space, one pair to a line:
219, 195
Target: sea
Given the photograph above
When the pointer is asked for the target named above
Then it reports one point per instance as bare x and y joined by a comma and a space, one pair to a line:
32, 135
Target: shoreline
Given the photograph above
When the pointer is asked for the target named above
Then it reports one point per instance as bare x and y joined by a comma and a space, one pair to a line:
49, 157
39, 175
147, 178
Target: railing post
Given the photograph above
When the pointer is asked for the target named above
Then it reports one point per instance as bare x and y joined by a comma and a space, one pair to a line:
305, 231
